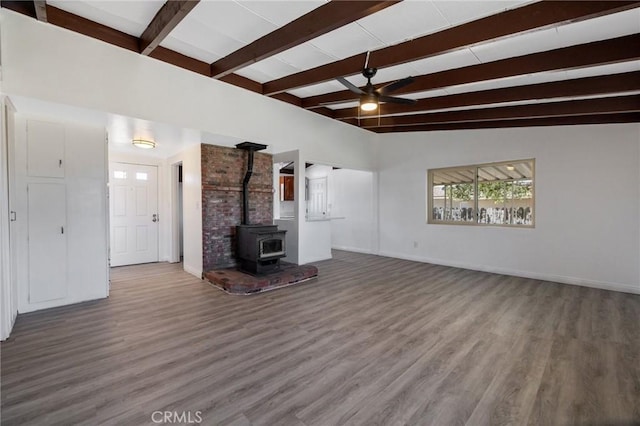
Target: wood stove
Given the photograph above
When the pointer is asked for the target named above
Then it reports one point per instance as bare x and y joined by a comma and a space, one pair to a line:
259, 247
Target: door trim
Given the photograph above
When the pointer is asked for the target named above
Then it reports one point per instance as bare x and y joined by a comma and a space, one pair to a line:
8, 279
174, 257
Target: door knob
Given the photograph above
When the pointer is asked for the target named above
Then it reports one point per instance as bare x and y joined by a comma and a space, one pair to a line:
155, 218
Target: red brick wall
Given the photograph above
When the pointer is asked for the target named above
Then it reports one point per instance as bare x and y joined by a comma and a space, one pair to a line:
223, 170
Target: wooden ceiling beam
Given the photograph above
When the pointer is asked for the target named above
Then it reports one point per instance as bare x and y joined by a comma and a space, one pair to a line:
24, 7
289, 98
615, 104
167, 18
109, 35
90, 28
84, 26
191, 64
178, 59
526, 18
628, 117
188, 63
245, 83
322, 111
319, 21
589, 54
112, 36
617, 83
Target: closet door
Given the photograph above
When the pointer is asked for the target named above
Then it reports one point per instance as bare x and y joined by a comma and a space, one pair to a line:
45, 149
47, 241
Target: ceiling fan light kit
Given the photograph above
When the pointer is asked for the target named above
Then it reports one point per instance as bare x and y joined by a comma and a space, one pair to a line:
368, 103
370, 97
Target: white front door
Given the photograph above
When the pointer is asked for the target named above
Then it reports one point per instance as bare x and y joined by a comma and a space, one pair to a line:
133, 205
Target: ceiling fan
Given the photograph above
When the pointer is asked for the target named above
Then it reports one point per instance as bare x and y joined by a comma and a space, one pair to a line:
370, 97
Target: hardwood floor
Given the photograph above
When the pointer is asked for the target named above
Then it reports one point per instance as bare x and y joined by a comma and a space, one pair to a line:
374, 341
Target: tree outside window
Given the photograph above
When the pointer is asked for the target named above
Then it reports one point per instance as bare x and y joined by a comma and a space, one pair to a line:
505, 194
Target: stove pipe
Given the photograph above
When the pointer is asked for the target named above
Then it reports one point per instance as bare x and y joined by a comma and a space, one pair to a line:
250, 147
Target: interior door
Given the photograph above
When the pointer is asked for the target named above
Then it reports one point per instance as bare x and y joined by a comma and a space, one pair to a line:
317, 203
47, 221
45, 159
133, 206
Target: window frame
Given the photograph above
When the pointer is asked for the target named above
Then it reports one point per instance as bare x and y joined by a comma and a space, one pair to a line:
429, 192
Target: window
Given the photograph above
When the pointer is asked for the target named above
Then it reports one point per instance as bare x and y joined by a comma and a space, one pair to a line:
141, 176
119, 174
483, 194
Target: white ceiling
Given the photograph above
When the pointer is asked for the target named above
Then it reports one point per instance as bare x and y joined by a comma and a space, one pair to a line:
406, 20
131, 17
214, 29
615, 25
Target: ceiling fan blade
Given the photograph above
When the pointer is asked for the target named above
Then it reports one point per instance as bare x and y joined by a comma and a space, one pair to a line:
391, 87
350, 86
394, 100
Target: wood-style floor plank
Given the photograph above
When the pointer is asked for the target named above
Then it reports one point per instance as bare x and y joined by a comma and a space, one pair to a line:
372, 341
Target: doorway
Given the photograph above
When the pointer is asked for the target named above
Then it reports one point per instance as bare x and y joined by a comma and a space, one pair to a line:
133, 206
177, 226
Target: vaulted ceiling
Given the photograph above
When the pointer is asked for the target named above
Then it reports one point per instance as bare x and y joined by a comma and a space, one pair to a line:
475, 64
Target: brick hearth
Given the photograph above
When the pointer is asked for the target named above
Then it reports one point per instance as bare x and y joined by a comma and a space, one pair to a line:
236, 282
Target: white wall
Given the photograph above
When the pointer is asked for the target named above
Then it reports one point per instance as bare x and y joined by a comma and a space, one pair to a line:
88, 73
353, 210
315, 241
285, 208
587, 203
191, 207
317, 171
351, 214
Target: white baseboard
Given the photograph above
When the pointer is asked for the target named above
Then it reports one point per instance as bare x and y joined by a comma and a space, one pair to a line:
193, 271
603, 285
6, 332
315, 259
56, 304
353, 249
